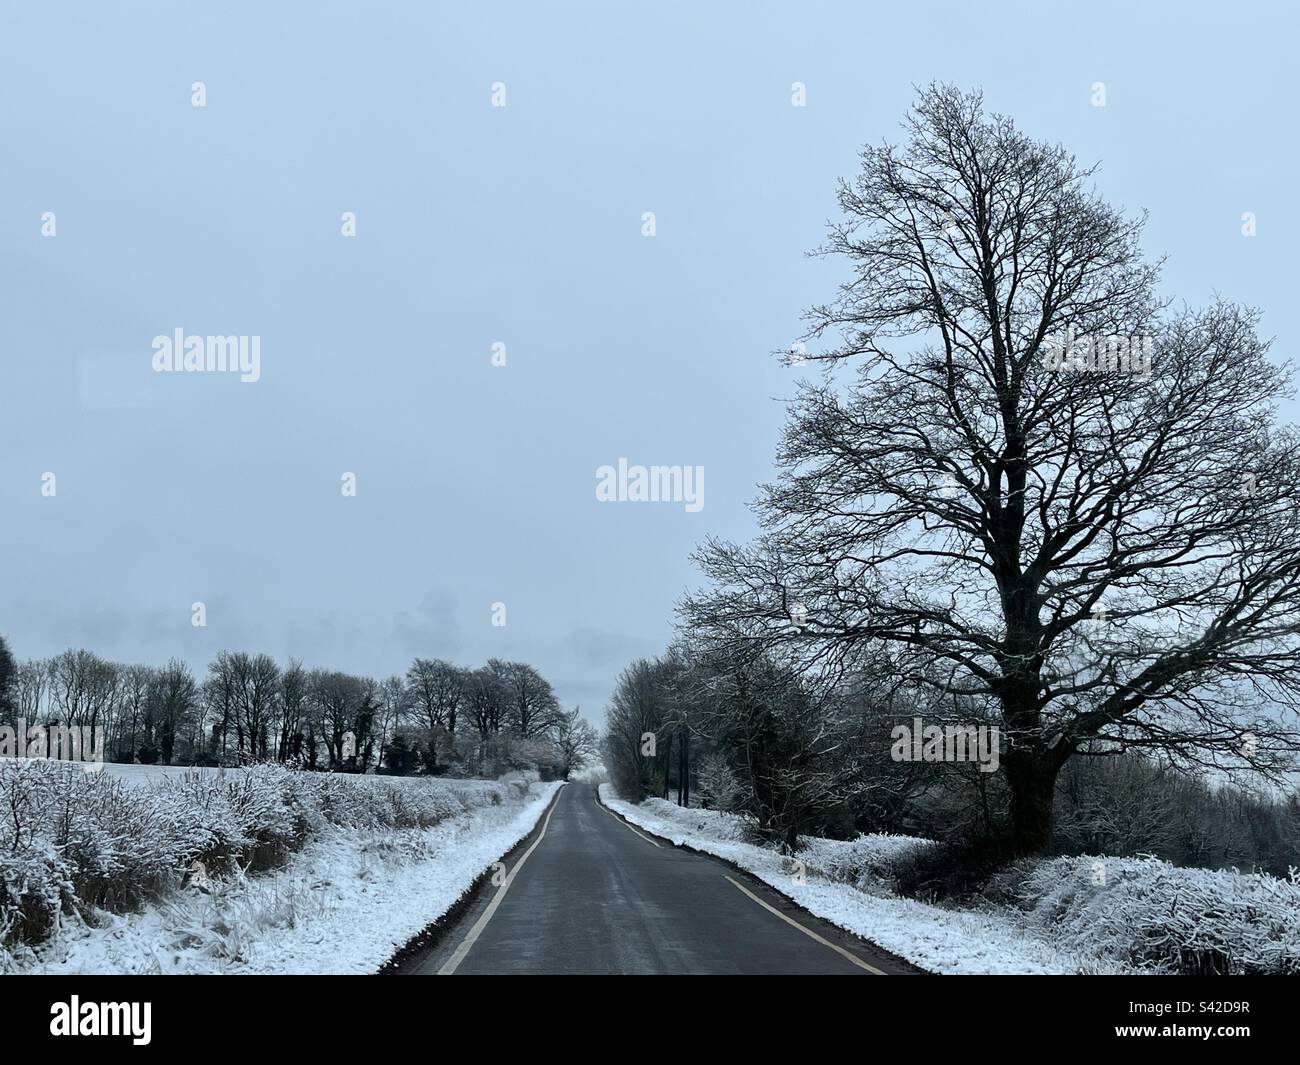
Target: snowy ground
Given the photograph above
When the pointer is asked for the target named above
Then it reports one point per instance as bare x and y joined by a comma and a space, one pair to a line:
142, 774
344, 904
131, 773
932, 937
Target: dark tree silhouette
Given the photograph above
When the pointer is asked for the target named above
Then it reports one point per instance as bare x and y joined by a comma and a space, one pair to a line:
575, 742
1100, 556
8, 678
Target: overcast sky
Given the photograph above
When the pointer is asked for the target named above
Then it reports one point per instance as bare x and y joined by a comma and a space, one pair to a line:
476, 225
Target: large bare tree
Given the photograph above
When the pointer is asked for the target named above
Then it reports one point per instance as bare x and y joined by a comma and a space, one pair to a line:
174, 705
639, 711
84, 689
993, 494
436, 693
293, 708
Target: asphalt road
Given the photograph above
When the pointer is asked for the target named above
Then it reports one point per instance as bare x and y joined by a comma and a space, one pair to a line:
595, 896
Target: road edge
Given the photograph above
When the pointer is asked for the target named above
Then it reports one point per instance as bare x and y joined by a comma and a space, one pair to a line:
407, 958
915, 970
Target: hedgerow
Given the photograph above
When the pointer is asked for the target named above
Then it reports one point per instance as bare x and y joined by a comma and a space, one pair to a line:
72, 841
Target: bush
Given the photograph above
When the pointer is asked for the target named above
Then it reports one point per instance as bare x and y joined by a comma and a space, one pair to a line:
949, 871
400, 759
72, 841
878, 858
719, 787
34, 885
1152, 914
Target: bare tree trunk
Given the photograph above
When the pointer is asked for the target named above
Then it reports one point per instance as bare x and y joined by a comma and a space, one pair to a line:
1031, 776
683, 769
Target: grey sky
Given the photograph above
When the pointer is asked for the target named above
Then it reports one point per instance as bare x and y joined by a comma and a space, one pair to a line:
476, 225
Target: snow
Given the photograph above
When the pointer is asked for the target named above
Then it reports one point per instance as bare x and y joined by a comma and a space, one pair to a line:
127, 772
592, 774
864, 862
1151, 913
345, 904
932, 937
144, 774
354, 866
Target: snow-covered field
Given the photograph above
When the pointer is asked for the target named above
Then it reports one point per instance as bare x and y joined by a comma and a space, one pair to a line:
126, 772
352, 867
1063, 921
143, 774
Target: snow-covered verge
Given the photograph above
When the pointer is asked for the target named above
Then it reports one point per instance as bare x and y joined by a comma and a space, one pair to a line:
163, 876
1062, 915
930, 937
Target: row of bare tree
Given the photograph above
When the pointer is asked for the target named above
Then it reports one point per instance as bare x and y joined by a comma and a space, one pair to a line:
752, 735
249, 708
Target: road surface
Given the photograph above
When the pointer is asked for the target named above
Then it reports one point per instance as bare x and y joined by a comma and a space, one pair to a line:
595, 896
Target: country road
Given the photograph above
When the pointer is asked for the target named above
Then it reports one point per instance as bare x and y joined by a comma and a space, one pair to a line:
595, 896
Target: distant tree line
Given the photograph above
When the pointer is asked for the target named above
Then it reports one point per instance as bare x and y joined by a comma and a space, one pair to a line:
735, 731
247, 708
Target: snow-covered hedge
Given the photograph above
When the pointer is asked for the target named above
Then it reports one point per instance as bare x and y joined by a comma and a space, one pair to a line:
1155, 915
866, 861
71, 840
870, 861
711, 823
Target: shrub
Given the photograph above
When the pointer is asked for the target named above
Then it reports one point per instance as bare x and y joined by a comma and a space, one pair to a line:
874, 859
34, 884
949, 871
1153, 914
719, 786
72, 841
